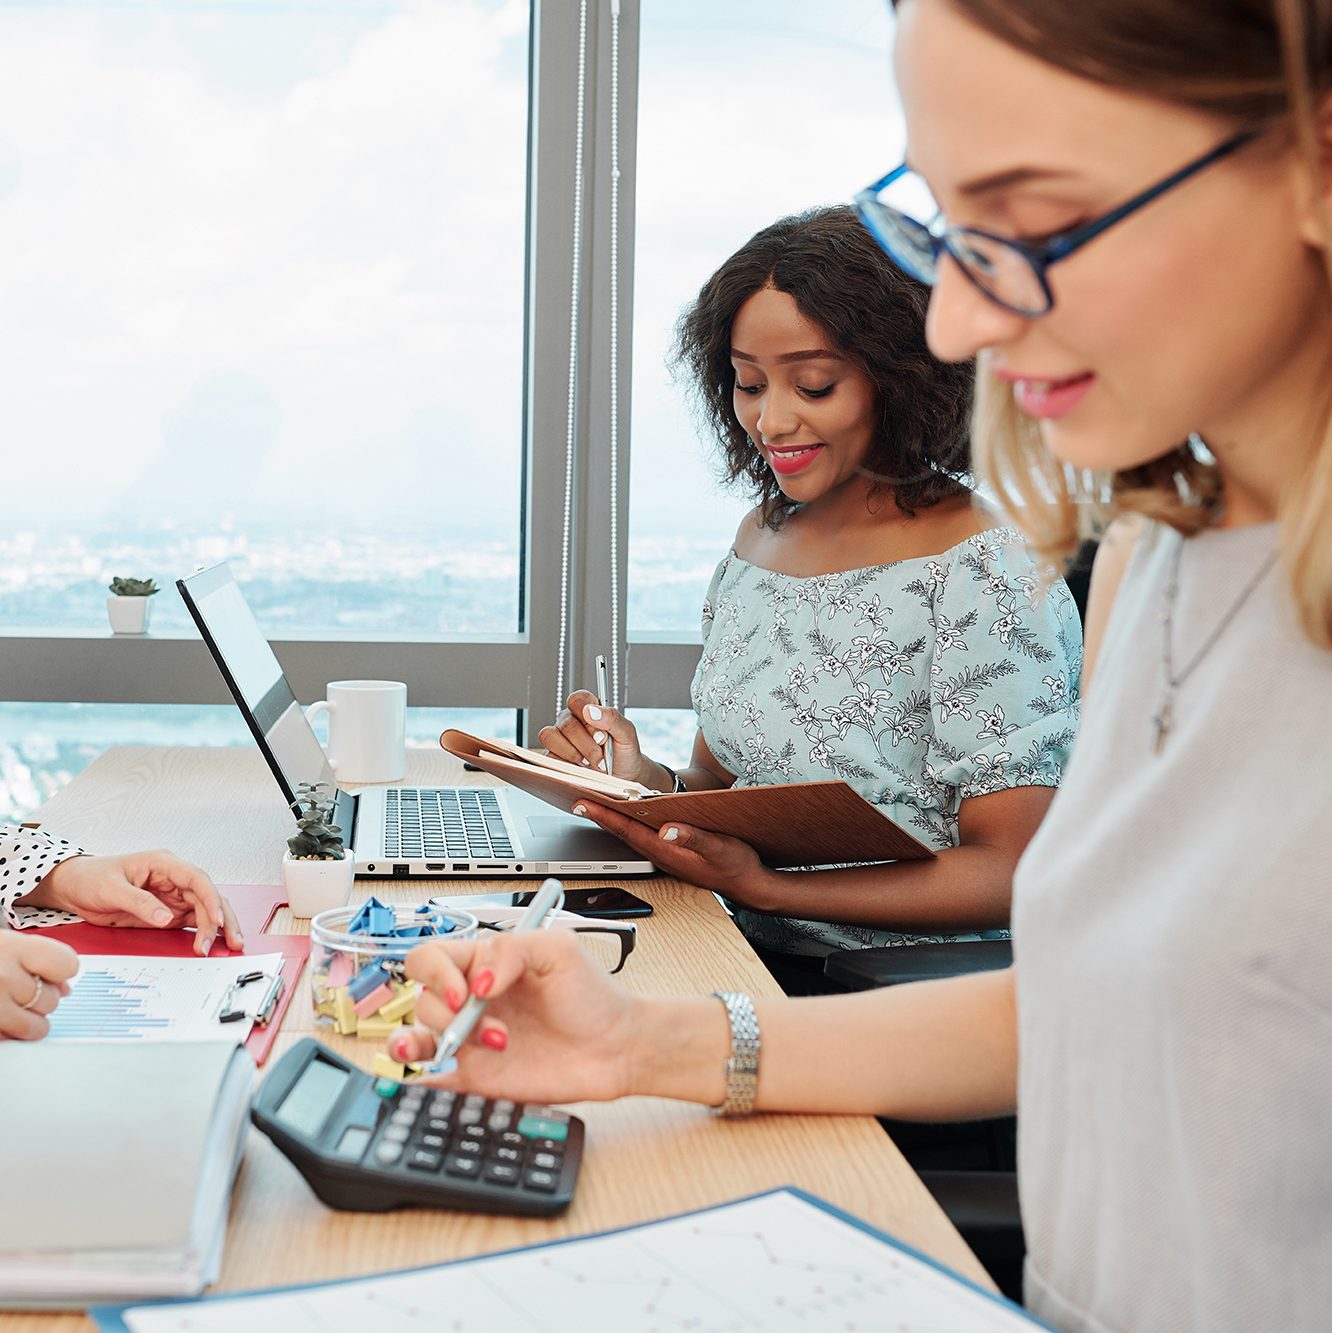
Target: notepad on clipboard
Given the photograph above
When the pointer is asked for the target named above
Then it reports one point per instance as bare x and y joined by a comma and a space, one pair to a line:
254, 905
792, 824
127, 998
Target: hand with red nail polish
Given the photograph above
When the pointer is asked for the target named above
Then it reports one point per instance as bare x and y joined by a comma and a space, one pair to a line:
556, 1026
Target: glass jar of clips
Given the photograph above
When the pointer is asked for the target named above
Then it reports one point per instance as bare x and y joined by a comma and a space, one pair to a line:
357, 956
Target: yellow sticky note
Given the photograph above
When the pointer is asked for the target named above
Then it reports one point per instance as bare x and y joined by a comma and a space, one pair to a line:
386, 1068
344, 1013
378, 1027
400, 1006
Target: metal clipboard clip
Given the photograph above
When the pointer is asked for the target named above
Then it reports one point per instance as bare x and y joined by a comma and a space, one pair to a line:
233, 1007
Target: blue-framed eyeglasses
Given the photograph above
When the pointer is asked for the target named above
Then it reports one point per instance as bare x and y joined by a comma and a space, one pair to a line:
1012, 273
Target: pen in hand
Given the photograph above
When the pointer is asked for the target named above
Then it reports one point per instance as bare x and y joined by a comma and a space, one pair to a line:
602, 695
547, 899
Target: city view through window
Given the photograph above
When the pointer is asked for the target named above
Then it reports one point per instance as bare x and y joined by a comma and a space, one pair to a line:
263, 303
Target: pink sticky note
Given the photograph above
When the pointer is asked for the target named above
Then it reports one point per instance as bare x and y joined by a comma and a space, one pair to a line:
369, 1004
340, 969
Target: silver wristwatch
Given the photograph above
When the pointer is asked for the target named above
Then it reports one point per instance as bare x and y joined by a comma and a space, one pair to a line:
743, 1063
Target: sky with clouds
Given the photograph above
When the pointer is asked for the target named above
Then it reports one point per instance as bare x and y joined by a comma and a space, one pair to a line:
273, 248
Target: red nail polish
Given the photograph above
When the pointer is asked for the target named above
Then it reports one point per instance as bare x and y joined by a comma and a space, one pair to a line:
484, 981
452, 999
494, 1038
398, 1048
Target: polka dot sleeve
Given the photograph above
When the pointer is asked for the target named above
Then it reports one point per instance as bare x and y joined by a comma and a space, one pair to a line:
27, 856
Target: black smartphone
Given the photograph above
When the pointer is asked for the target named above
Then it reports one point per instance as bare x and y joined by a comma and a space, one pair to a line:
612, 901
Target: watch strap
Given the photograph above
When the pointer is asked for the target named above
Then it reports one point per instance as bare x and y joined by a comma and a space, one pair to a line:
743, 1062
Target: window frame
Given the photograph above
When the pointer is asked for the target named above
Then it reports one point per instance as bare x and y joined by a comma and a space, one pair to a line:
517, 670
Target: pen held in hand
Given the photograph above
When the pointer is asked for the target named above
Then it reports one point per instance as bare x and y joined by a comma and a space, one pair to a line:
548, 899
603, 695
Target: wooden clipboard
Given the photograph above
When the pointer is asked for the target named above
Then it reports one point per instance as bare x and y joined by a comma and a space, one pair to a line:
796, 824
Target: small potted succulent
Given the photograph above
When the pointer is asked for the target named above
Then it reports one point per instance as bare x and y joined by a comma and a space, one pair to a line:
128, 605
317, 869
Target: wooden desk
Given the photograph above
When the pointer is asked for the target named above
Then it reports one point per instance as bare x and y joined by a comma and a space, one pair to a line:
646, 1156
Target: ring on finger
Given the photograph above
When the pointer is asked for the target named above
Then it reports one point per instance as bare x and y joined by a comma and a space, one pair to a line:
36, 994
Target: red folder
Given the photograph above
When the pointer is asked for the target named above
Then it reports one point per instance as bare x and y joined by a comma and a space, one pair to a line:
254, 905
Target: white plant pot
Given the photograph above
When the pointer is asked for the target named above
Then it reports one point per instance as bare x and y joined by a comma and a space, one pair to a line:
128, 615
315, 886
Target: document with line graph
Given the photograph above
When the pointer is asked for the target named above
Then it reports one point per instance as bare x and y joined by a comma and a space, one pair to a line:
777, 1262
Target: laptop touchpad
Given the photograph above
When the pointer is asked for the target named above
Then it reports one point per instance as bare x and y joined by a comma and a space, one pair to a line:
563, 837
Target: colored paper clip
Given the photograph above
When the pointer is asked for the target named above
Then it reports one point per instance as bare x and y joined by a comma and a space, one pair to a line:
233, 1002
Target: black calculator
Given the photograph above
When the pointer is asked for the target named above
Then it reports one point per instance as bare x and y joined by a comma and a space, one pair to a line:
371, 1144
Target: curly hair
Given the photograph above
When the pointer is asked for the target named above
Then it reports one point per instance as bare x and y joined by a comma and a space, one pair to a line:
872, 314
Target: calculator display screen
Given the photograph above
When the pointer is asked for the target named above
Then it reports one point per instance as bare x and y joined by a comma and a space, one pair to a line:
306, 1106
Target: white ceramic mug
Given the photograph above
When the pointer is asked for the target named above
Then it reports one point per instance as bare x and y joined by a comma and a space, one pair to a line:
367, 728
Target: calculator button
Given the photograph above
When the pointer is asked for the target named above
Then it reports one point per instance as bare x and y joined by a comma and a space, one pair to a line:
473, 1132
546, 1145
425, 1159
388, 1152
469, 1148
431, 1140
396, 1133
498, 1123
547, 1161
503, 1106
402, 1118
470, 1115
544, 1181
502, 1173
507, 1155
474, 1101
386, 1087
543, 1127
545, 1113
462, 1166
412, 1098
438, 1124
512, 1139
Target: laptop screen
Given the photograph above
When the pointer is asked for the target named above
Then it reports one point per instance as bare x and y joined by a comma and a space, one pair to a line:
255, 679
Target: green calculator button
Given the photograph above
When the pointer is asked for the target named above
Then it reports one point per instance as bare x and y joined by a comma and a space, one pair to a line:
535, 1127
386, 1087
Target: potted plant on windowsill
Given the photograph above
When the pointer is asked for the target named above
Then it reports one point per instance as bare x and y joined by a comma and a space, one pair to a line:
317, 870
128, 606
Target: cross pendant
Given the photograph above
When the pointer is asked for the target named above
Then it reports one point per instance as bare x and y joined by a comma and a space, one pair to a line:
1162, 720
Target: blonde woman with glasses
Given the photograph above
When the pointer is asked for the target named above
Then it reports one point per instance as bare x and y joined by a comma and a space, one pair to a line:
1124, 209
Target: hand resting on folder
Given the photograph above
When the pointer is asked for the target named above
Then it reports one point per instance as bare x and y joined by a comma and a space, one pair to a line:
153, 889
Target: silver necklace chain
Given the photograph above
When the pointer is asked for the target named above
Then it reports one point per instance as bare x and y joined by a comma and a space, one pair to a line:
1173, 680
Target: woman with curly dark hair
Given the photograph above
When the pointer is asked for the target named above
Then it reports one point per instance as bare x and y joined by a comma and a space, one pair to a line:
871, 623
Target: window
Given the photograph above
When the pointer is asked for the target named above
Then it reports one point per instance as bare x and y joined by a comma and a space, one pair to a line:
747, 111
288, 285
263, 301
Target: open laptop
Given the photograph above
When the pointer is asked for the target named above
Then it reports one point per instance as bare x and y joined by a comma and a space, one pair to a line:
395, 832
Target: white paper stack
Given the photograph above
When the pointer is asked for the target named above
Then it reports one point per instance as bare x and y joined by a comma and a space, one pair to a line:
119, 1161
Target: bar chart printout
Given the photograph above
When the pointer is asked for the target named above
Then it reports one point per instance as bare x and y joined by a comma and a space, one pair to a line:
158, 999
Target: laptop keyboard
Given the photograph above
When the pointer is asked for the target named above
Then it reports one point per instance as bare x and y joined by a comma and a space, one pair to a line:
462, 822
